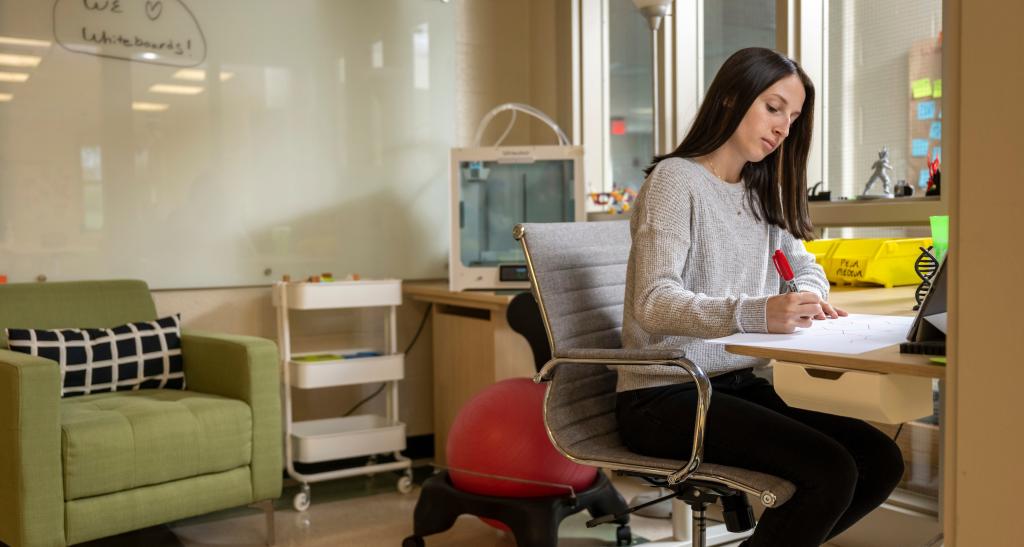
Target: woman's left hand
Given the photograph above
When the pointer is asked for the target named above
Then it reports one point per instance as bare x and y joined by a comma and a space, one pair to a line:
829, 311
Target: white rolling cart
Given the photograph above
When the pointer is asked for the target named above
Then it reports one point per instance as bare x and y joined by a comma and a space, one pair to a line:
345, 436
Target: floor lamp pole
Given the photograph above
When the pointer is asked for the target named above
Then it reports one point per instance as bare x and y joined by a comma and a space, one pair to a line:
654, 11
656, 111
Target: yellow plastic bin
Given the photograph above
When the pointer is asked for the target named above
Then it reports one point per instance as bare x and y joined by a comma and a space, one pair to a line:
888, 262
822, 250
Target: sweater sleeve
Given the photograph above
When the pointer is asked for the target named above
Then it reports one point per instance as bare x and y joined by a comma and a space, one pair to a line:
809, 276
661, 229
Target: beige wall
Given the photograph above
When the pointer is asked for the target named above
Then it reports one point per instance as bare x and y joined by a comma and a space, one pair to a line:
512, 51
507, 51
984, 476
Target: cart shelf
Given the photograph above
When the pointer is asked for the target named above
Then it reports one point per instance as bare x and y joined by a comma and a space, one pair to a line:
341, 294
345, 372
347, 437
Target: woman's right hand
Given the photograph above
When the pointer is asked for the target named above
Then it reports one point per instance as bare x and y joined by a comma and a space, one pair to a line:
786, 312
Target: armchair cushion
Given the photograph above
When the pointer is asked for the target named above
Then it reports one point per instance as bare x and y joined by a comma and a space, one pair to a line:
133, 356
119, 441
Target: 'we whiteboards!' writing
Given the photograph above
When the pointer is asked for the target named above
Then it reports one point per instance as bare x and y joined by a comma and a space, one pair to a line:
154, 8
161, 32
104, 38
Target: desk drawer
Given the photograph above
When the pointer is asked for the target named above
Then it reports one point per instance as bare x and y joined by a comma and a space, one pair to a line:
883, 398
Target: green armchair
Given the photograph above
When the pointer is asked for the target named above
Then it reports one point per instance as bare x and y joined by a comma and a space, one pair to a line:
80, 468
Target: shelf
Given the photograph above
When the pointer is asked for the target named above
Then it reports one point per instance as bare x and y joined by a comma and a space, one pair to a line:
875, 212
913, 211
344, 372
342, 294
348, 437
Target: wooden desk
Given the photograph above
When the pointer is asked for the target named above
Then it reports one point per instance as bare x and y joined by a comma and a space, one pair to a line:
919, 442
889, 360
474, 347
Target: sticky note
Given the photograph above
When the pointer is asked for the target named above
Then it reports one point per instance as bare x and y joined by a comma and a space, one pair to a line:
919, 148
922, 179
937, 153
935, 132
926, 110
921, 88
937, 89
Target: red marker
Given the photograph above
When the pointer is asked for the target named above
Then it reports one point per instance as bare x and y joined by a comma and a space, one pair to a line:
785, 272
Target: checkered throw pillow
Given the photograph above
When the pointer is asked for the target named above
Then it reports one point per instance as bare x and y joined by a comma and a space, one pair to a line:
128, 357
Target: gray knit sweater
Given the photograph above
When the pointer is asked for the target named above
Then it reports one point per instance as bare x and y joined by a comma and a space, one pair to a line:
700, 267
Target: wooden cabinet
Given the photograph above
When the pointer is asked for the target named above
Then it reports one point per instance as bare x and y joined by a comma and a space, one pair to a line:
474, 347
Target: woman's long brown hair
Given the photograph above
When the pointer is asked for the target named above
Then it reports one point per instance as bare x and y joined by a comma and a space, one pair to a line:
744, 76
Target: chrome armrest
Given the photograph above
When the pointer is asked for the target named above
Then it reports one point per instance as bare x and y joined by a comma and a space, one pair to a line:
630, 357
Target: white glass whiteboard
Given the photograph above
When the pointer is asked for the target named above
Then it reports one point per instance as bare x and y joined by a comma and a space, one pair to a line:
212, 143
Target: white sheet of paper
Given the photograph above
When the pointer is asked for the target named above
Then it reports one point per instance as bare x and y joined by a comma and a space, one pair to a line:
939, 320
856, 333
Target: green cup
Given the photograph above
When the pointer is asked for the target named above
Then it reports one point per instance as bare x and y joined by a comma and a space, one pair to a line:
940, 235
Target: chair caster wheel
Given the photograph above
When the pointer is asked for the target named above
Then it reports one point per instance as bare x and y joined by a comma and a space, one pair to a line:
405, 484
623, 536
301, 500
413, 541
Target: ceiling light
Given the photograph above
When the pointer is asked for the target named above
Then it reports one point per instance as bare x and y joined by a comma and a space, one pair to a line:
10, 59
197, 75
13, 77
23, 41
4, 97
176, 89
149, 107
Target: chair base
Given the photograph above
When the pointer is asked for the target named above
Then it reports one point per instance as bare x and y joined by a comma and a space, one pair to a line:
690, 500
686, 523
533, 521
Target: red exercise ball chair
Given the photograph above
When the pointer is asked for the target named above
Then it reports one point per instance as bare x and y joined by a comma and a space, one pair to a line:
500, 432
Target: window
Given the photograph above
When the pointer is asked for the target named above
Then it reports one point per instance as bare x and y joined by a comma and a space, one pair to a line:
731, 25
884, 90
630, 97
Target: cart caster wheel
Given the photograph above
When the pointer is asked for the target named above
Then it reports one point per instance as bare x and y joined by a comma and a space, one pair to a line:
413, 541
301, 500
623, 536
405, 486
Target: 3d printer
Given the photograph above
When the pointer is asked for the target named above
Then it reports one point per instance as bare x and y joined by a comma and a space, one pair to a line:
493, 189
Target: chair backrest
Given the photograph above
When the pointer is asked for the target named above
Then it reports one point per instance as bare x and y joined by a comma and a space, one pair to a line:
73, 304
579, 278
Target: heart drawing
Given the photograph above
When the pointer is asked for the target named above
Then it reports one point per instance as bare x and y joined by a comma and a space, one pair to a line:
153, 9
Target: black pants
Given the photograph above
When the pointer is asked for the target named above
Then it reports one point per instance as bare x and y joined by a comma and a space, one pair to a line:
842, 468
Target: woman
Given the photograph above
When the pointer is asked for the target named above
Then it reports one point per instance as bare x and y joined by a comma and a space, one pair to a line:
704, 226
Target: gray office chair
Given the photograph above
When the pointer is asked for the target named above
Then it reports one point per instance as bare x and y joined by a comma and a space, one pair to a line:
578, 275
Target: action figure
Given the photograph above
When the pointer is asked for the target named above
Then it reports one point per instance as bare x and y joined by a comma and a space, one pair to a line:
880, 167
